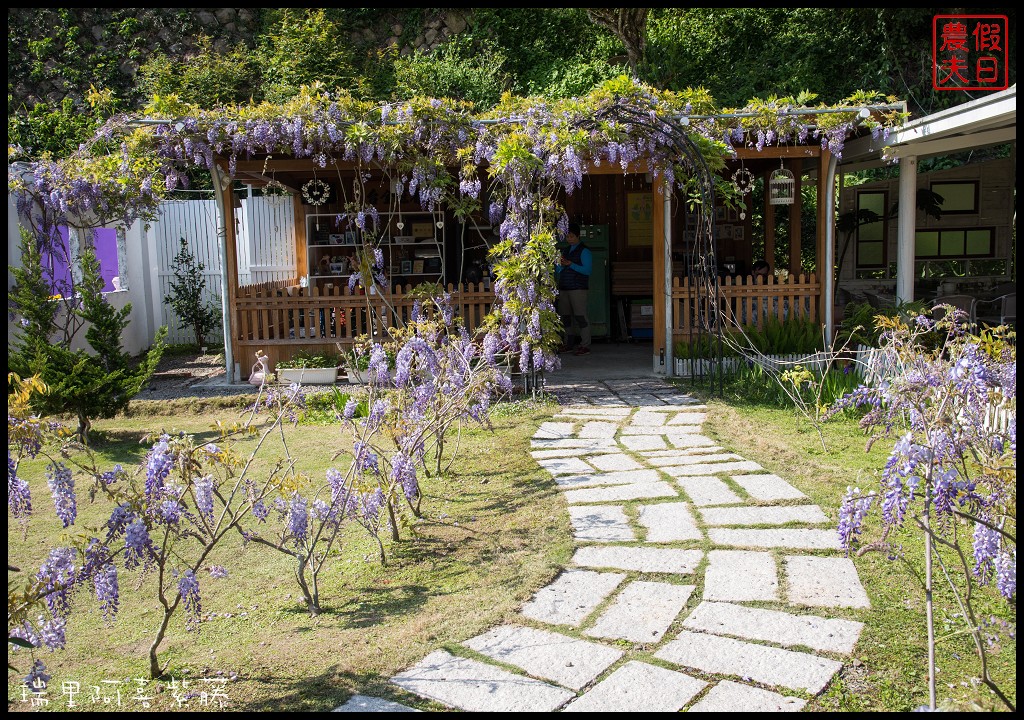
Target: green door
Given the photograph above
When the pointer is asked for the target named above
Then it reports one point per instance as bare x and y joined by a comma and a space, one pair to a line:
595, 237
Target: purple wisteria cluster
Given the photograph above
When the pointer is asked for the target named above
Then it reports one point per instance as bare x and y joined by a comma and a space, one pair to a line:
954, 456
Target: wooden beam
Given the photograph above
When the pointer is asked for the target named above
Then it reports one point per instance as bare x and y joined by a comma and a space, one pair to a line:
801, 151
607, 168
794, 219
658, 251
301, 241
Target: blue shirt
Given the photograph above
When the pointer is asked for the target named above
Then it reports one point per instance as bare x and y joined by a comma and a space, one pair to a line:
585, 265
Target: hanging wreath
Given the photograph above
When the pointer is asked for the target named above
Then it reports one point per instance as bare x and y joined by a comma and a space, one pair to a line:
315, 192
743, 181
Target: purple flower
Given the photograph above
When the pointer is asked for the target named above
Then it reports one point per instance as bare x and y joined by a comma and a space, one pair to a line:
203, 489
350, 409
62, 487
19, 497
105, 582
403, 473
58, 576
219, 572
298, 518
158, 466
851, 517
37, 679
170, 512
52, 632
137, 545
365, 458
188, 588
1006, 573
111, 476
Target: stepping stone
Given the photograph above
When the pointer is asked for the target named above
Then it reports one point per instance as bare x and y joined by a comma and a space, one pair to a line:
600, 523
642, 400
633, 430
621, 477
740, 575
768, 665
643, 442
729, 696
612, 447
688, 440
477, 687
642, 612
618, 461
639, 687
553, 431
712, 468
775, 626
708, 491
599, 430
691, 459
824, 582
689, 418
633, 491
641, 559
567, 661
796, 538
780, 515
365, 703
682, 400
565, 466
648, 418
571, 597
768, 488
668, 522
598, 412
681, 452
560, 443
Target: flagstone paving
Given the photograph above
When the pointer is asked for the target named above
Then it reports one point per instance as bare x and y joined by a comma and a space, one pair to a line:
673, 534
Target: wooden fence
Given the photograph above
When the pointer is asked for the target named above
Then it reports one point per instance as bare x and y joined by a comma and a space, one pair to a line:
741, 302
281, 318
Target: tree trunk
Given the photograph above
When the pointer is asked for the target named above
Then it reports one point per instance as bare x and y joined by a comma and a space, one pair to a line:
154, 667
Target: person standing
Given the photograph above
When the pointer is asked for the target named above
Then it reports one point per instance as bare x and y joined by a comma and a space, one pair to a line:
574, 268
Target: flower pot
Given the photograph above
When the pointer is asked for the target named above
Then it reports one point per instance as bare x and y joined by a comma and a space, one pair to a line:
308, 376
355, 377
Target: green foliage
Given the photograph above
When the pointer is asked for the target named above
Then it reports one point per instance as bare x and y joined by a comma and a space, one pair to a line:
56, 130
792, 336
86, 385
326, 407
186, 296
308, 359
861, 323
306, 48
454, 71
207, 78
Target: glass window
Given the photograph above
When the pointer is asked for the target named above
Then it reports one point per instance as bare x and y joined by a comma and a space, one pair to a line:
976, 242
872, 237
959, 196
927, 243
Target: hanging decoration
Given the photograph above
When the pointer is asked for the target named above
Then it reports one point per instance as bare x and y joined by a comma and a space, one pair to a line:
781, 186
315, 193
743, 181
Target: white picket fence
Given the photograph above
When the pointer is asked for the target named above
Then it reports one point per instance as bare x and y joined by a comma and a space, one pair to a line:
264, 242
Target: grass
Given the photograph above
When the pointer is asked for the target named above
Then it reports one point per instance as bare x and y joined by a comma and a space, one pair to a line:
890, 670
493, 533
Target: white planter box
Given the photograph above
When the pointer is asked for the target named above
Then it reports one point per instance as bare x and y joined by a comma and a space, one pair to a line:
308, 376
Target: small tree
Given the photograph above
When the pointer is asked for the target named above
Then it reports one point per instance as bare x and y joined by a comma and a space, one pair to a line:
186, 296
87, 385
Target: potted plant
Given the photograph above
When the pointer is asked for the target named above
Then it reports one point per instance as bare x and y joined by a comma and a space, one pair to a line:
309, 368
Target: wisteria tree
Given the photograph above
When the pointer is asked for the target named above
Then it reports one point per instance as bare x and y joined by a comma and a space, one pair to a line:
951, 473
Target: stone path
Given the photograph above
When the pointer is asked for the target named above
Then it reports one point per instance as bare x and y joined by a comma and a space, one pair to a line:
700, 582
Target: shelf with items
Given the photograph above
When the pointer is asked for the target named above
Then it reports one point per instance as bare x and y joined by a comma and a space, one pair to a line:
412, 243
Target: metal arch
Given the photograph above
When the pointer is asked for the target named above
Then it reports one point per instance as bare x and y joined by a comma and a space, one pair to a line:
702, 271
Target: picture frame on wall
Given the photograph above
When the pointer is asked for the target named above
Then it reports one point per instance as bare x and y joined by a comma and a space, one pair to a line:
720, 213
732, 215
737, 232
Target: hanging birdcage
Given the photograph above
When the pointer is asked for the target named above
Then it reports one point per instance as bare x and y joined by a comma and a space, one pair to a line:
781, 187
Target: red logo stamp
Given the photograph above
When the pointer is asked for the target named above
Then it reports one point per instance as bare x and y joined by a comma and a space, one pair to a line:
969, 52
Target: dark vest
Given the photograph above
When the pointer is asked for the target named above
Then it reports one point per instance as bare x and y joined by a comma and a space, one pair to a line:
569, 279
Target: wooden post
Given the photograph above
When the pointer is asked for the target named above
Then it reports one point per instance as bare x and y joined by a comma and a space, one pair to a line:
825, 203
301, 261
658, 253
794, 218
769, 226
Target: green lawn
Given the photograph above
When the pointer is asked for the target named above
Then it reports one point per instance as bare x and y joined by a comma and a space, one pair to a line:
494, 531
